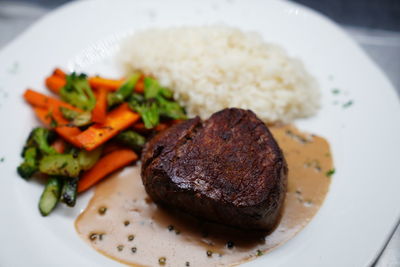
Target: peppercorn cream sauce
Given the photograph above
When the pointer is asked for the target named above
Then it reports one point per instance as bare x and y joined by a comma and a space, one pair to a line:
123, 223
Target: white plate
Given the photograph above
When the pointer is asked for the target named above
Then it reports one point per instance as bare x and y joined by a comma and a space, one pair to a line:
362, 206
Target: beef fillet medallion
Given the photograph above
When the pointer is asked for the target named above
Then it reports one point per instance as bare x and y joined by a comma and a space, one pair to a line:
227, 169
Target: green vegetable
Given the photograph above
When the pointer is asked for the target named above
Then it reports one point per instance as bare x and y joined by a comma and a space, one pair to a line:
132, 139
69, 191
30, 164
36, 145
77, 118
147, 109
152, 89
149, 113
170, 109
83, 119
155, 103
50, 196
330, 172
68, 114
86, 159
42, 138
78, 93
124, 91
53, 122
61, 164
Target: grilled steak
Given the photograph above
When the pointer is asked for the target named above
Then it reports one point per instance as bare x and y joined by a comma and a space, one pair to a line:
227, 169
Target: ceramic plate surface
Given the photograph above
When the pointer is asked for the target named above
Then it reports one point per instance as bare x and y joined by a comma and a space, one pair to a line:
362, 124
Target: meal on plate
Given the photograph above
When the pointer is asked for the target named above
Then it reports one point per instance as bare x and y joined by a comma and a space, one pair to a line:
219, 177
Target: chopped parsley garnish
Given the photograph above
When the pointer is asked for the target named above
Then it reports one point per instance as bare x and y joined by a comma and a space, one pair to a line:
335, 91
348, 104
330, 172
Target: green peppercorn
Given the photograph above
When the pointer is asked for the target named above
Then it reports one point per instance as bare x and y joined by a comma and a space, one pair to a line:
120, 247
131, 237
209, 253
162, 260
102, 210
93, 237
126, 223
133, 249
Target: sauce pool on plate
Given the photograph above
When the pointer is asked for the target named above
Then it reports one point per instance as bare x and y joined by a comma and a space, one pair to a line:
123, 223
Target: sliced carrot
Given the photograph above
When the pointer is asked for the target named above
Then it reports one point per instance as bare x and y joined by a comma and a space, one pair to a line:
116, 121
60, 73
40, 100
99, 82
55, 83
139, 87
106, 165
44, 106
100, 109
66, 132
59, 145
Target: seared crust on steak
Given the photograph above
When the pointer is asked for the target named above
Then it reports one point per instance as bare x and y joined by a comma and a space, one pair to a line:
227, 169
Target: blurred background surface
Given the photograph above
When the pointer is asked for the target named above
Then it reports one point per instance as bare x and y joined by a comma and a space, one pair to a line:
373, 24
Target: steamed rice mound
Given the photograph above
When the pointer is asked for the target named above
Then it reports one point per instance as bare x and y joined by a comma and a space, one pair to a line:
211, 68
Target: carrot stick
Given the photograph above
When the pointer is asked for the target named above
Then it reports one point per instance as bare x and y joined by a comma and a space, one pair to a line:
59, 145
98, 82
60, 73
40, 100
55, 83
116, 121
48, 108
100, 109
68, 133
106, 165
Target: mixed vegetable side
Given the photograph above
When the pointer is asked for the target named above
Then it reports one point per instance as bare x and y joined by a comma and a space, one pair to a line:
92, 127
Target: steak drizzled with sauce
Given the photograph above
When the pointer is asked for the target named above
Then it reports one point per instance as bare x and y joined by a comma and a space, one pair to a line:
227, 169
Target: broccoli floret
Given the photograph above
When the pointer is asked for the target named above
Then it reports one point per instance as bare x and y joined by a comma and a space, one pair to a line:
170, 109
155, 103
38, 144
42, 138
76, 118
78, 93
124, 91
148, 110
153, 89
68, 114
30, 164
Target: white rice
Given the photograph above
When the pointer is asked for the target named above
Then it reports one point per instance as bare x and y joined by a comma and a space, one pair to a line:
215, 67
